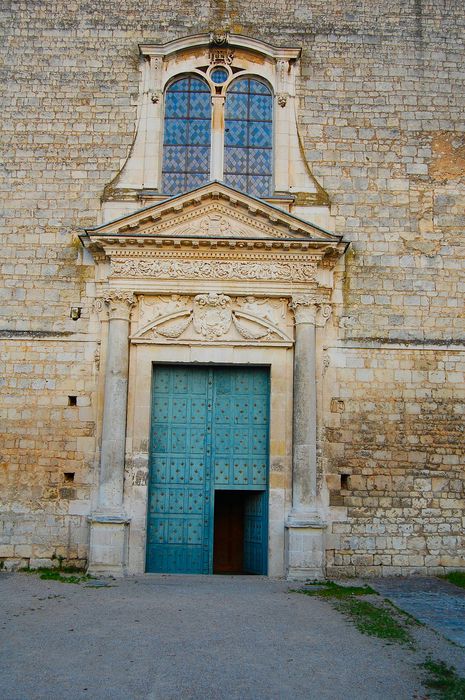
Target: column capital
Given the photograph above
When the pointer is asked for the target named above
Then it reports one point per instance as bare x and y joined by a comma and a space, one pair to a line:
119, 303
310, 309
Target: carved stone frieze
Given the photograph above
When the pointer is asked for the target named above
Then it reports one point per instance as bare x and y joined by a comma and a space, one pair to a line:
213, 317
172, 268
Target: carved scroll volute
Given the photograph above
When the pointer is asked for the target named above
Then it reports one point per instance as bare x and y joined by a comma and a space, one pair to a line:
323, 314
119, 303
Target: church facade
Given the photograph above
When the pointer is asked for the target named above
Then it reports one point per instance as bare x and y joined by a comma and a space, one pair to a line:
233, 336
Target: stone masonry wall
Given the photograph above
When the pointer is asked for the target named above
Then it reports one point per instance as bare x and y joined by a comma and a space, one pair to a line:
381, 118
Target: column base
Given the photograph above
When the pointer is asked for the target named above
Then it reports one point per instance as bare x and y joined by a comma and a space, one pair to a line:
305, 547
108, 545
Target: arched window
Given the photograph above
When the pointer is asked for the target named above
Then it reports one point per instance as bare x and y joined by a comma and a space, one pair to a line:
187, 135
241, 150
248, 138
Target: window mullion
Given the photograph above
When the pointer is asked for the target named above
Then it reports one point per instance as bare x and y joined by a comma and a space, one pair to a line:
217, 147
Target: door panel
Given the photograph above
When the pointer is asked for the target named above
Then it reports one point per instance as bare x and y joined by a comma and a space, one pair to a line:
179, 490
255, 533
209, 429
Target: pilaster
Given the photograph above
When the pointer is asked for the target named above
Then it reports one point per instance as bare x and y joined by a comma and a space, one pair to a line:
305, 527
109, 524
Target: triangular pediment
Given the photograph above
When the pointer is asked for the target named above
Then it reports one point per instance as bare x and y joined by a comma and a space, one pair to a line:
214, 211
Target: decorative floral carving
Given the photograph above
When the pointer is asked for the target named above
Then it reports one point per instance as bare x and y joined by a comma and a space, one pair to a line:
155, 97
282, 99
212, 315
167, 268
176, 330
249, 334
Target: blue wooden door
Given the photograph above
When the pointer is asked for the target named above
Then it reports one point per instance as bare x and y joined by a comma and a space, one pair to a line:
255, 533
209, 431
180, 479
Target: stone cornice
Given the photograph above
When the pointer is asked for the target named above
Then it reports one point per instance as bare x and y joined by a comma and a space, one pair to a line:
233, 40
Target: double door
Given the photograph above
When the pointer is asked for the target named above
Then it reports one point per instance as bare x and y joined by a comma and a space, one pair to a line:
209, 433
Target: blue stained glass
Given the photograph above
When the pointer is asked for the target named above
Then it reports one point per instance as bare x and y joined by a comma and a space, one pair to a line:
187, 135
172, 156
258, 186
235, 133
249, 137
175, 131
219, 75
194, 180
249, 86
174, 183
176, 104
260, 134
200, 106
199, 131
260, 161
235, 160
238, 105
239, 182
198, 159
260, 107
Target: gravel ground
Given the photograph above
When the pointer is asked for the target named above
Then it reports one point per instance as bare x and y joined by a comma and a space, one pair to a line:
193, 637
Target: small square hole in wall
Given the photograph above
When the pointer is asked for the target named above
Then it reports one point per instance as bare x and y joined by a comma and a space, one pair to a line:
345, 481
72, 400
69, 476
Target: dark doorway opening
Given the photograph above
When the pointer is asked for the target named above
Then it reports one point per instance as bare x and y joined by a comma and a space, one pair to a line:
228, 541
240, 532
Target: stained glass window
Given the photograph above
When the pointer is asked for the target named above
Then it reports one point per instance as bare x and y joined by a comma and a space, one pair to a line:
248, 137
187, 135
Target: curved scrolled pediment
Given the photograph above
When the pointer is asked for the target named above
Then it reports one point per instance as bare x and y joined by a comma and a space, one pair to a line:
216, 319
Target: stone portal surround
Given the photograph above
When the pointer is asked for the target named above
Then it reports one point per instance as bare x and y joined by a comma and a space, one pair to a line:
305, 528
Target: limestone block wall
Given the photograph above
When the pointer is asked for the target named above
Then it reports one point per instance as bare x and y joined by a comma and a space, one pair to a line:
381, 120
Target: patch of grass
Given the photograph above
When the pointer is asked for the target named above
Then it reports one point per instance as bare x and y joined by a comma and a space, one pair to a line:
56, 575
444, 681
66, 574
374, 620
456, 577
329, 589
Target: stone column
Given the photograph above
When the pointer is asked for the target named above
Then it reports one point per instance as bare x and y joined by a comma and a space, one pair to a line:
109, 524
305, 527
